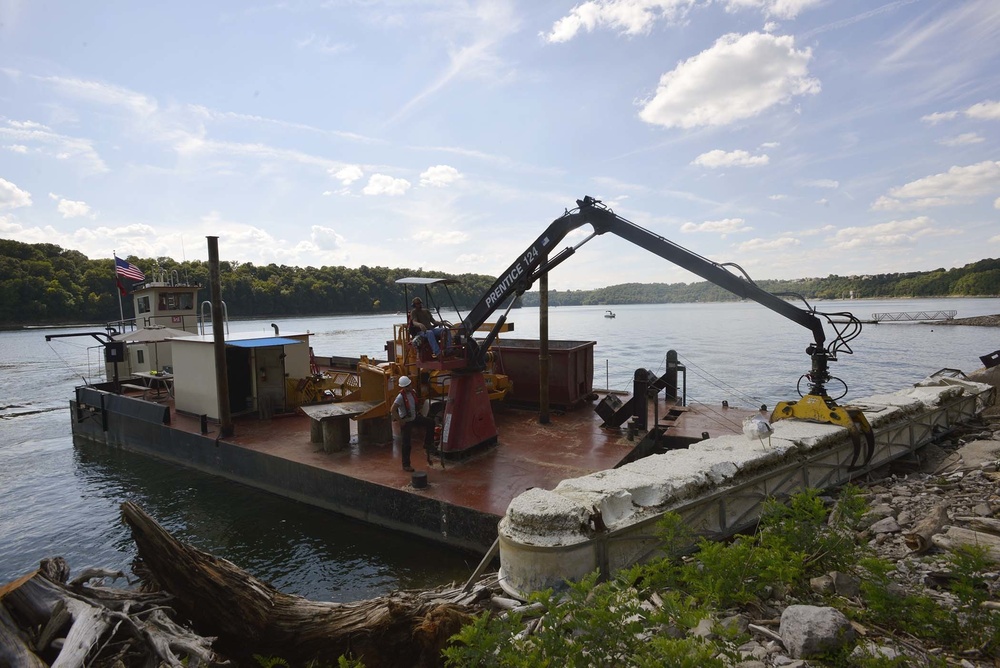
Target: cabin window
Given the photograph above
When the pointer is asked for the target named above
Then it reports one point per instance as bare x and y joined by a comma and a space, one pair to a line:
139, 357
176, 301
143, 304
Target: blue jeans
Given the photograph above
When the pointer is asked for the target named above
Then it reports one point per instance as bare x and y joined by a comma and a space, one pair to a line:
432, 338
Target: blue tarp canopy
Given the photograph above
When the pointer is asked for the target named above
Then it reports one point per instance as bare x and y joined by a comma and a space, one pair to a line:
263, 343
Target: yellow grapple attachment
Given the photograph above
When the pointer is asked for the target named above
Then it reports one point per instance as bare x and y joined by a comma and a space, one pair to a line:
816, 408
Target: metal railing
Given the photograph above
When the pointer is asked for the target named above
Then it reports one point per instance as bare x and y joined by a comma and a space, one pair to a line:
914, 315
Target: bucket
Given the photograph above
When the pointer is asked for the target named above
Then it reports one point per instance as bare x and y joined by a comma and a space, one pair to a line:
419, 479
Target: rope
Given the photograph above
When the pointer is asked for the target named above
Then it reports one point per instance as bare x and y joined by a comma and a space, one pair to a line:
69, 365
719, 383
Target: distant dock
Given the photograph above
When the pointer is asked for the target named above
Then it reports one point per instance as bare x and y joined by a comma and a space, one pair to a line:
908, 316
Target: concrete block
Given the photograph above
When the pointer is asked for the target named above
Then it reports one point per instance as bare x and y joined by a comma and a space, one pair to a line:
543, 517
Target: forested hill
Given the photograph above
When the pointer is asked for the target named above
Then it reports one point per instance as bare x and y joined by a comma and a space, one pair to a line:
45, 284
979, 279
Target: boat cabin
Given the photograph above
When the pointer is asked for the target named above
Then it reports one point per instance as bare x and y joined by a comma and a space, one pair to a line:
258, 368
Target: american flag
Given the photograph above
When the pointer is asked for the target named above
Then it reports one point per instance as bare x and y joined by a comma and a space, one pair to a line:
128, 270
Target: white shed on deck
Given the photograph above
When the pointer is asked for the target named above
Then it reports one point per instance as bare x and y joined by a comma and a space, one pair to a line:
258, 366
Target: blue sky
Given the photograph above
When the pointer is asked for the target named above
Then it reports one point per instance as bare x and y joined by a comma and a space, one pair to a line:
797, 138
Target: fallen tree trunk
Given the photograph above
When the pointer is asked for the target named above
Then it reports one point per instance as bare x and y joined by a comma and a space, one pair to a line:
251, 617
15, 649
956, 537
919, 540
45, 621
987, 524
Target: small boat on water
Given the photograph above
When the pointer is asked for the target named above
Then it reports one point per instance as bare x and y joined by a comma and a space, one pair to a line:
609, 314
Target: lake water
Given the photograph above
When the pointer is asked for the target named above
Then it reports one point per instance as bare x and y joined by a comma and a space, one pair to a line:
61, 499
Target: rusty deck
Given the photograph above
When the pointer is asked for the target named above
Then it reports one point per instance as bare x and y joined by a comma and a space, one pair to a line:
529, 454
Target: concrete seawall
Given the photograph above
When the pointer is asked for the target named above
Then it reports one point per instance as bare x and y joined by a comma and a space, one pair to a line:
606, 520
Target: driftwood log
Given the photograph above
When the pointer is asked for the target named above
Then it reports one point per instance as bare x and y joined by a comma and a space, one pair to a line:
987, 524
251, 617
919, 540
955, 537
46, 621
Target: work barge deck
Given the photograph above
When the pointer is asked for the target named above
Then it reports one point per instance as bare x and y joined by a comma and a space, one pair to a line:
560, 499
463, 499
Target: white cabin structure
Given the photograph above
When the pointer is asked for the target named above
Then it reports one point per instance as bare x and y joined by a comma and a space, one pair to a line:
165, 308
257, 367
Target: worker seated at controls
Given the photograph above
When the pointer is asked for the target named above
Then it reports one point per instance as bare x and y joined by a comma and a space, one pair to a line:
423, 324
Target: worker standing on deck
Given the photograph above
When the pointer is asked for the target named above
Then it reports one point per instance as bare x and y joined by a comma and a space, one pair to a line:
404, 410
422, 323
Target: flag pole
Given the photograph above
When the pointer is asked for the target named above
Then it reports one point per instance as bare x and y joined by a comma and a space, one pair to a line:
121, 310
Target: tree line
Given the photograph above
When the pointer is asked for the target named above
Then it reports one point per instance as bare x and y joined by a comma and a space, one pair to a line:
46, 284
978, 279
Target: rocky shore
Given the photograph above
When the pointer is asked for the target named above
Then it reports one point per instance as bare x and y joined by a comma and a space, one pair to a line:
975, 321
952, 487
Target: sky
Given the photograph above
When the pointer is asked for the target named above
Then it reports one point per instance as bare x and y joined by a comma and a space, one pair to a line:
795, 138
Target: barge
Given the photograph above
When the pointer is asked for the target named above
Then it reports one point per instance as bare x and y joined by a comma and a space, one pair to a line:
572, 483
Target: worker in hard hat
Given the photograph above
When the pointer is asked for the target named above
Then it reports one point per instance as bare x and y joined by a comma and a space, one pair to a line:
404, 410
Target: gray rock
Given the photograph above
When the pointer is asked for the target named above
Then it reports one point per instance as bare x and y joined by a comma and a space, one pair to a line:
880, 511
874, 650
822, 584
809, 630
704, 629
846, 585
735, 623
786, 662
982, 510
887, 525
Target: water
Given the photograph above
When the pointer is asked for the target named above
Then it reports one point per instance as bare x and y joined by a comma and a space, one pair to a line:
61, 499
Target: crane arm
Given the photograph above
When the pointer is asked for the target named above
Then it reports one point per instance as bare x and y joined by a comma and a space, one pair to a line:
534, 262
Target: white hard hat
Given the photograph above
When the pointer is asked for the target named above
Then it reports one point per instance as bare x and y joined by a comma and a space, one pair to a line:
404, 381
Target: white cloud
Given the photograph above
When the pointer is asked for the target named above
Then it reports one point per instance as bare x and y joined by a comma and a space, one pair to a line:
963, 139
326, 238
738, 158
958, 184
996, 203
986, 110
939, 117
436, 237
771, 144
723, 227
347, 175
474, 35
781, 9
823, 201
739, 77
439, 176
323, 45
637, 17
895, 233
762, 245
70, 208
822, 183
381, 184
12, 197
777, 198
631, 17
28, 134
17, 148
102, 93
